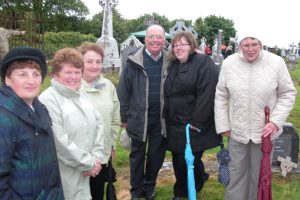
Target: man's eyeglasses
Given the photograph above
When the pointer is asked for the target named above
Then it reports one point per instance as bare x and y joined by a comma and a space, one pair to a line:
152, 37
179, 45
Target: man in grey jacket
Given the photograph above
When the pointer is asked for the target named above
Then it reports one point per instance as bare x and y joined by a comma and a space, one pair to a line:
139, 92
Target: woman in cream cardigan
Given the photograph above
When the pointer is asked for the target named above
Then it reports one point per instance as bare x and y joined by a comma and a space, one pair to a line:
249, 81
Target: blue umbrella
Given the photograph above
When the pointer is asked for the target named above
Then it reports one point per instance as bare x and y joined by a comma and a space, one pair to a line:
189, 159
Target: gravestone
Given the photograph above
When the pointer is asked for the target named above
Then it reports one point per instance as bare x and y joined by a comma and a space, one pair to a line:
111, 59
202, 45
217, 55
130, 45
286, 145
179, 27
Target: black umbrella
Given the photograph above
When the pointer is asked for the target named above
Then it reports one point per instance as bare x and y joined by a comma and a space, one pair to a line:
111, 178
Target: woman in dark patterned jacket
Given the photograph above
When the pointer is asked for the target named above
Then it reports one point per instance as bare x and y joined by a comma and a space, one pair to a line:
28, 162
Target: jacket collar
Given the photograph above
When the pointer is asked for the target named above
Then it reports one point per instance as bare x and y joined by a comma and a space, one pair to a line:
97, 85
37, 118
63, 90
137, 57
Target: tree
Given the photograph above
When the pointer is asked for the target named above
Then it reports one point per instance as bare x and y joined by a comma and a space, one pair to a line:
94, 26
54, 12
210, 26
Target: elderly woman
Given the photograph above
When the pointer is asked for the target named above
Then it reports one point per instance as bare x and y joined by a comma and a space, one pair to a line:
77, 127
102, 94
249, 81
189, 91
28, 161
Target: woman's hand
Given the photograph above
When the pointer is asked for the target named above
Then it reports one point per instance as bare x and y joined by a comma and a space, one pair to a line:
124, 125
94, 171
269, 129
226, 134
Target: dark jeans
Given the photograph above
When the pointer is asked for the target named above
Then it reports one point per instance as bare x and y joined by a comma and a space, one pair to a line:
143, 179
180, 170
97, 184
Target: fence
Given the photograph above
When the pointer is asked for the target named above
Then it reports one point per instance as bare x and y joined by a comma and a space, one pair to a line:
28, 29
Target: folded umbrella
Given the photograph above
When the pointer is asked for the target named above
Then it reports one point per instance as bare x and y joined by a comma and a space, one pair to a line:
223, 157
265, 175
189, 159
111, 178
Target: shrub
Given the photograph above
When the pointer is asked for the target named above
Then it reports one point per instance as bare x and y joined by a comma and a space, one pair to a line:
55, 41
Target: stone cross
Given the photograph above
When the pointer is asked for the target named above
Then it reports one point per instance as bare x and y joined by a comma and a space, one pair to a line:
111, 59
286, 165
149, 21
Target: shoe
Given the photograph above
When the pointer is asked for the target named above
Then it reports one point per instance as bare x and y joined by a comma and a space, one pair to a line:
151, 196
176, 198
141, 196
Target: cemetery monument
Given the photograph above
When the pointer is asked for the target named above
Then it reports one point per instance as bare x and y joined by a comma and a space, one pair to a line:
111, 60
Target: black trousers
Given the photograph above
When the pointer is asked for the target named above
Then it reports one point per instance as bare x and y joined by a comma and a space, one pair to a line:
150, 153
180, 188
97, 184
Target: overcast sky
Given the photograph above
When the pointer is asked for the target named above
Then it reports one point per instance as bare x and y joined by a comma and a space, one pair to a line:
275, 22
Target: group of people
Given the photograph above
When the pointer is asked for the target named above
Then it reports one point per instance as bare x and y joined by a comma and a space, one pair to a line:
58, 145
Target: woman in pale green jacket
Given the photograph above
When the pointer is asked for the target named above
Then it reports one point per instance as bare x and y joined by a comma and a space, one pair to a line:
102, 94
77, 126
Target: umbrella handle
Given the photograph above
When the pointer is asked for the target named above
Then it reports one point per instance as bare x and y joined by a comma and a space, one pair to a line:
267, 114
187, 131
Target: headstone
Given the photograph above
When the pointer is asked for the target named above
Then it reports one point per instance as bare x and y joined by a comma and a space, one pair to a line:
286, 145
202, 45
130, 45
111, 59
283, 53
217, 55
179, 27
150, 20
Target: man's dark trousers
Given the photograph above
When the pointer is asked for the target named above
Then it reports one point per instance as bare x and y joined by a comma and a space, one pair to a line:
143, 180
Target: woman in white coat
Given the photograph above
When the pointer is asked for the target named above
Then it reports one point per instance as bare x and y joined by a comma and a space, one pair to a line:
77, 127
102, 94
249, 81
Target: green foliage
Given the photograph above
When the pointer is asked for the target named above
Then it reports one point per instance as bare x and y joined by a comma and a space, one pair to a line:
55, 41
46, 8
210, 26
113, 77
135, 25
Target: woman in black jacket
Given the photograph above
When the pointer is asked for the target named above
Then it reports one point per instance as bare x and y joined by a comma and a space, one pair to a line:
189, 90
